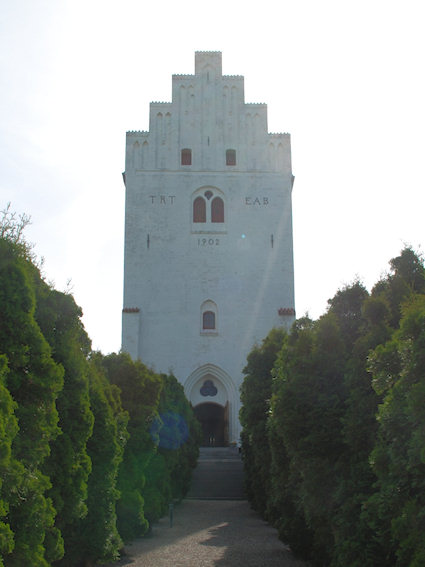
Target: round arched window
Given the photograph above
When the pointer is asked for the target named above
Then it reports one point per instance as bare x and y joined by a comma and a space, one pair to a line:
217, 210
199, 210
208, 208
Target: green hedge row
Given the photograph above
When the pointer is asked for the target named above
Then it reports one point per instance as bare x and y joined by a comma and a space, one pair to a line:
93, 448
334, 426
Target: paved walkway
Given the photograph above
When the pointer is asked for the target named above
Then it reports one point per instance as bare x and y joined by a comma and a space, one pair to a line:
211, 533
214, 526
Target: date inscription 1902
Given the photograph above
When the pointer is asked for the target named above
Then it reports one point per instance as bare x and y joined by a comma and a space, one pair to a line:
208, 241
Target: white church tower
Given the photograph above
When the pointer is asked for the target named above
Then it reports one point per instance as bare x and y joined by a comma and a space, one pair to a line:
208, 267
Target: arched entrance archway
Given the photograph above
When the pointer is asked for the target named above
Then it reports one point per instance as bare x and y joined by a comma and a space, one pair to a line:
209, 384
214, 423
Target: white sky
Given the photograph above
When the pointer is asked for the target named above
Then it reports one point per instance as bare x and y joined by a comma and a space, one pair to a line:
345, 78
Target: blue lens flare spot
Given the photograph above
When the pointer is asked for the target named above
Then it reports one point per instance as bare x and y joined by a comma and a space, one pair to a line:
169, 430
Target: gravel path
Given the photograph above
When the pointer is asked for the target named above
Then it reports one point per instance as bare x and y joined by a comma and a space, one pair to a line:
210, 533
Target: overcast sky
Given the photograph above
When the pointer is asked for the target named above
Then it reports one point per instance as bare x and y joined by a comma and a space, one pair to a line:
345, 78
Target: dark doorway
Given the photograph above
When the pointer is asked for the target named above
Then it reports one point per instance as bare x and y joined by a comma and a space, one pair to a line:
213, 422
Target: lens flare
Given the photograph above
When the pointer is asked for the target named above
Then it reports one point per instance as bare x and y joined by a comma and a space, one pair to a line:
169, 430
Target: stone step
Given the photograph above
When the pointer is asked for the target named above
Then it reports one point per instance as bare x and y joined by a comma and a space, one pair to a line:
218, 475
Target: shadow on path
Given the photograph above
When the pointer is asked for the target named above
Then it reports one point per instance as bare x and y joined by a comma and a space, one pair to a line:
211, 533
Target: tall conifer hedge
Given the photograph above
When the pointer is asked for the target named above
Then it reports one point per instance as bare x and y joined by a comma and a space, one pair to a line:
342, 420
85, 439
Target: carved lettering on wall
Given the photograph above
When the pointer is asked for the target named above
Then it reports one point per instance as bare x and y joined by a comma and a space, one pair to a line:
208, 241
261, 201
162, 199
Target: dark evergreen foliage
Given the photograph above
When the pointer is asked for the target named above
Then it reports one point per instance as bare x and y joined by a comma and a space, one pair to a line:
98, 537
34, 381
140, 389
255, 396
68, 465
178, 436
77, 440
10, 470
345, 427
162, 449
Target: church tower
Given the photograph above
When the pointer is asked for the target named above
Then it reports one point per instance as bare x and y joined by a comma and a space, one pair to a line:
208, 267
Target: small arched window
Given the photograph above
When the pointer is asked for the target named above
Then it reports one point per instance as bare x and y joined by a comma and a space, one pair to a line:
230, 157
186, 157
199, 210
217, 210
208, 321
